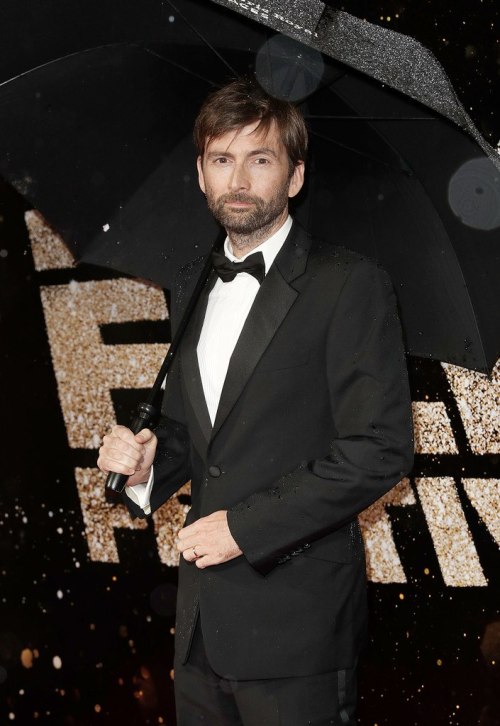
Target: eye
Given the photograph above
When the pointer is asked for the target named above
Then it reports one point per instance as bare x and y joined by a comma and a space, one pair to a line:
221, 160
261, 160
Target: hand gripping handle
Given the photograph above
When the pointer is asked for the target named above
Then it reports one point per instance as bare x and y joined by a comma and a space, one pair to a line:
145, 414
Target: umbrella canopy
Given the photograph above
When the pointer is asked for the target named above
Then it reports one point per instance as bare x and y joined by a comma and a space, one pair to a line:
100, 143
36, 33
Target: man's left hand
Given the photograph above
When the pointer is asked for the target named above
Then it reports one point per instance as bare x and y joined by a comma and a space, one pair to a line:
208, 541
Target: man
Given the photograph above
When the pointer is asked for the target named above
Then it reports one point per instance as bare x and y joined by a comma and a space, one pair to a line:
289, 410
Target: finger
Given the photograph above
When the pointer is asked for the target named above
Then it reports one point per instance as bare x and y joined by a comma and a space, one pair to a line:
193, 554
144, 436
117, 449
115, 466
207, 561
216, 557
130, 458
117, 463
112, 443
125, 434
186, 544
111, 453
189, 531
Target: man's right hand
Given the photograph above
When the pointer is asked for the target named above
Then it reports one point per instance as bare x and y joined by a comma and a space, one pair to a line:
126, 453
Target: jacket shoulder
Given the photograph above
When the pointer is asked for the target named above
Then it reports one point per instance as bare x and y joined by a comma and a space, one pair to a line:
339, 259
185, 281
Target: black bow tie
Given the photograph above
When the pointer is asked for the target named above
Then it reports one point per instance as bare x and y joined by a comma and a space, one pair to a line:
227, 270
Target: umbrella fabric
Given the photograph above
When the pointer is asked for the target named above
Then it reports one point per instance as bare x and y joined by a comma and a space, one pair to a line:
99, 142
394, 59
36, 33
399, 211
388, 176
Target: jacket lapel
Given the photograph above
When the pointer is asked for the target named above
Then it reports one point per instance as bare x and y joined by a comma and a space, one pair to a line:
191, 370
272, 303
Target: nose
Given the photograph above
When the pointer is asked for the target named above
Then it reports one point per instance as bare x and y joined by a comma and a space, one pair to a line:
238, 179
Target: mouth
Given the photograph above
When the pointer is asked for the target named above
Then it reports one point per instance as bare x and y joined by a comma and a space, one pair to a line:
237, 204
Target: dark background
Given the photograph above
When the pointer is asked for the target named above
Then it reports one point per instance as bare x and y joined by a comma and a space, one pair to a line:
112, 626
463, 35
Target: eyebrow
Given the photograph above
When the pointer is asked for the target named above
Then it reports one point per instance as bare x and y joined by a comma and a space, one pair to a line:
256, 152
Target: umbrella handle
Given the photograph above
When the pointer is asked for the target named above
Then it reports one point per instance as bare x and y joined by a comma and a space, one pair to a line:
145, 415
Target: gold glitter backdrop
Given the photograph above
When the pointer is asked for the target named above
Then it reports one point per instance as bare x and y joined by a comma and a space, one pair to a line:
86, 371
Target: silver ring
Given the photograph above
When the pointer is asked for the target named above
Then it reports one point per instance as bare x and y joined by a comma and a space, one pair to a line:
194, 552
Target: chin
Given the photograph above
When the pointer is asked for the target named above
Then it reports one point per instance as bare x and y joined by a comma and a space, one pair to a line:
238, 225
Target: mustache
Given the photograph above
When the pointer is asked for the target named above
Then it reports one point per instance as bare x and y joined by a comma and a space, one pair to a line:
238, 197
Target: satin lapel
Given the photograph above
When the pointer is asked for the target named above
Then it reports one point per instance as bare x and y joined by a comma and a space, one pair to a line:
272, 303
190, 368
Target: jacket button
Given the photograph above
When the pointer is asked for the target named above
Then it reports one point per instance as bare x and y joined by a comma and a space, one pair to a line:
214, 470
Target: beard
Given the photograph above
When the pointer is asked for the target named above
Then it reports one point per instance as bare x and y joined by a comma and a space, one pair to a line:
250, 220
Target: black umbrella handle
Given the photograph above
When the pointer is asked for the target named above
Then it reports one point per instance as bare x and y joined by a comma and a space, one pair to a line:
146, 411
145, 415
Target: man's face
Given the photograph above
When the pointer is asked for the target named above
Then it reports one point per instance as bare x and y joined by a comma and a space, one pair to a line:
245, 175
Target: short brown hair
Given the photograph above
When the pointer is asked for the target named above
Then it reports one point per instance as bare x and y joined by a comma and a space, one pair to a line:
243, 101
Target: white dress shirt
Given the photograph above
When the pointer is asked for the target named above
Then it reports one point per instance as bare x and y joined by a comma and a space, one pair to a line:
228, 306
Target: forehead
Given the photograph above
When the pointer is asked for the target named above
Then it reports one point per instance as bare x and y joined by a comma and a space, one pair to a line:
247, 139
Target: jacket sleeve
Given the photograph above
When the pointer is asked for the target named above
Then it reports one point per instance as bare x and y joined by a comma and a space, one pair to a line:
172, 464
372, 447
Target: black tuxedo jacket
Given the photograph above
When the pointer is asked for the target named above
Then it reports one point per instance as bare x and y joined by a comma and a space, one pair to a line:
314, 424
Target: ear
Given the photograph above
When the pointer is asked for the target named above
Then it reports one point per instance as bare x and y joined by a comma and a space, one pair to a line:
201, 178
297, 179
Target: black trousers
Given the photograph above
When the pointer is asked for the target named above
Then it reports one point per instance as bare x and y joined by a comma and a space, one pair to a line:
204, 698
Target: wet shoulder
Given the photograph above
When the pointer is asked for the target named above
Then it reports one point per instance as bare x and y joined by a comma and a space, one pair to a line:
185, 281
330, 259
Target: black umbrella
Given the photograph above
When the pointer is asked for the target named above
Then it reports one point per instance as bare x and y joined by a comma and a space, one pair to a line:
100, 143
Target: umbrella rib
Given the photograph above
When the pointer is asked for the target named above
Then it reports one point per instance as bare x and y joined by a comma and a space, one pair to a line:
404, 166
61, 58
177, 65
204, 40
355, 151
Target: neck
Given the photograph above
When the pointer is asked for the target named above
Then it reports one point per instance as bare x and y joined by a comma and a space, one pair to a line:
242, 244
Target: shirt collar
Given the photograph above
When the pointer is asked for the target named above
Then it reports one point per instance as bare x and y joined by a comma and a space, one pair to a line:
269, 248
